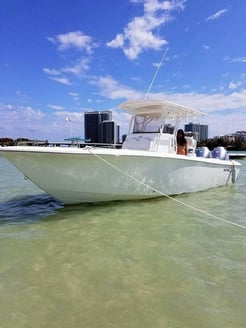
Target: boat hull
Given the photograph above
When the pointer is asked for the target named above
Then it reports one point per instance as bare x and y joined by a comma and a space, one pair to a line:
99, 175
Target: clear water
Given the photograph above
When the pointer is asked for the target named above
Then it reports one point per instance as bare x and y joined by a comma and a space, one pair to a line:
135, 264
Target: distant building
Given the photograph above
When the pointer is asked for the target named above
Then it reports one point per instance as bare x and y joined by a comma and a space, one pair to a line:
99, 127
200, 129
108, 132
228, 138
92, 121
240, 135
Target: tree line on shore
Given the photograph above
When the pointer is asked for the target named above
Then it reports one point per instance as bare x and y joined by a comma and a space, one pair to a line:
12, 142
19, 141
237, 144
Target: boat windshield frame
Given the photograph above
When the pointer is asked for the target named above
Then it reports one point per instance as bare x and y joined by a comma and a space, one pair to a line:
149, 123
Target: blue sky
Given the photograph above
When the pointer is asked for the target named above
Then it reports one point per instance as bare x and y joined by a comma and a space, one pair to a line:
59, 59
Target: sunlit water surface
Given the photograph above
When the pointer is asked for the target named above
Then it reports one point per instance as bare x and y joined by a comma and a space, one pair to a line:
134, 264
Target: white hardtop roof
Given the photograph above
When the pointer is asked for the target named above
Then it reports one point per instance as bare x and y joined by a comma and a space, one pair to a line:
157, 107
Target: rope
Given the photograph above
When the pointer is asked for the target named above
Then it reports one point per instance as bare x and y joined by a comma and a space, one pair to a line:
163, 194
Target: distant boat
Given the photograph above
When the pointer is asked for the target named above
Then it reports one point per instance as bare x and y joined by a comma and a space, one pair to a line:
146, 166
237, 154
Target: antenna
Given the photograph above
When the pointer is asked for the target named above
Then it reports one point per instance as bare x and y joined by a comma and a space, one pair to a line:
156, 72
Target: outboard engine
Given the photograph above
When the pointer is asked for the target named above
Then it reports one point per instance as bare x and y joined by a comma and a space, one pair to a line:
220, 152
203, 152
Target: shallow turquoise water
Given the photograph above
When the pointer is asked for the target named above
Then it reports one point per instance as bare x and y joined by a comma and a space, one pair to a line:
151, 263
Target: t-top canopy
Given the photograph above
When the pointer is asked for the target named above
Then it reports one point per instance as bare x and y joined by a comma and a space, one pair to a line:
157, 107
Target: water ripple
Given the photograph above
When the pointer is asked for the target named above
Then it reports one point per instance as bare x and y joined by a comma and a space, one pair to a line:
29, 208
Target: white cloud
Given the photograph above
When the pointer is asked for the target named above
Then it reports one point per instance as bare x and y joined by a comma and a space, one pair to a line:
62, 80
205, 47
56, 75
239, 83
229, 122
75, 117
73, 94
21, 95
152, 6
218, 14
25, 121
112, 89
53, 72
20, 121
226, 112
239, 59
9, 111
56, 107
233, 85
77, 69
140, 34
117, 42
74, 40
209, 103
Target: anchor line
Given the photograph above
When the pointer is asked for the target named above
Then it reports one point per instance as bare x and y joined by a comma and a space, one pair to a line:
163, 194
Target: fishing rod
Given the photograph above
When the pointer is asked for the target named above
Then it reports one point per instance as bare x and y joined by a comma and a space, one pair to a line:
156, 73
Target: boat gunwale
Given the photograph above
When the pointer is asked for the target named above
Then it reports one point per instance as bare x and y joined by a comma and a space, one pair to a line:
98, 151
